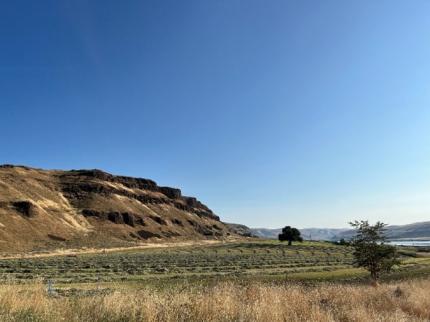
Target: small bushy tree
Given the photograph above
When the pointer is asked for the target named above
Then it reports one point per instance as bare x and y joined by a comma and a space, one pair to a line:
291, 234
343, 242
370, 250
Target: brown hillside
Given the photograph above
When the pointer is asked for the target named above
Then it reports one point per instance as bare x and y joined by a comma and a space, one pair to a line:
45, 209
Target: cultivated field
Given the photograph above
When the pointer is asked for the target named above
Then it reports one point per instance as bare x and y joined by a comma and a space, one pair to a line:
235, 281
256, 260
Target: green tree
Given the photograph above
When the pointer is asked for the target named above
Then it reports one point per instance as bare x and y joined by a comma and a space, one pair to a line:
343, 242
291, 234
370, 250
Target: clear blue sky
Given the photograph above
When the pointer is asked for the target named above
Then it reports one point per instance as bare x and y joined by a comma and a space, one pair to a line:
308, 113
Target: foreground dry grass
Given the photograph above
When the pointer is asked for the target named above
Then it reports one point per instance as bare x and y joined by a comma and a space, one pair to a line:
405, 301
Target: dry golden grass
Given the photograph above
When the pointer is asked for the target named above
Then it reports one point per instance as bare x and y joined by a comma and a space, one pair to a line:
405, 301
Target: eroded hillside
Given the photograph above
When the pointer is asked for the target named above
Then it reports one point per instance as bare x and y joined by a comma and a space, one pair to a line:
43, 209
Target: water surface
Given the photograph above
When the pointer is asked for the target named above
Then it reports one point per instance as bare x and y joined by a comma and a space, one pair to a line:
417, 243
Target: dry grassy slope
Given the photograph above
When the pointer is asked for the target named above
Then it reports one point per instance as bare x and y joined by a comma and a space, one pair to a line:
45, 209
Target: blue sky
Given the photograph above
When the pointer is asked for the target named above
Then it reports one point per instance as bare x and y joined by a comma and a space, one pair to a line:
271, 112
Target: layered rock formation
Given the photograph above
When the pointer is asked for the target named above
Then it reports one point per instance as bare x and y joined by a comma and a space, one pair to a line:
42, 209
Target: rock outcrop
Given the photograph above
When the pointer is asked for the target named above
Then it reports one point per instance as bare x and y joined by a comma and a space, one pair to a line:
41, 209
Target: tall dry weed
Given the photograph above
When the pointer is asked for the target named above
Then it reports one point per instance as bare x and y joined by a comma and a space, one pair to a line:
405, 301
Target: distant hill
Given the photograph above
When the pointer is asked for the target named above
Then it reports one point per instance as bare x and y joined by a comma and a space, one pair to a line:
420, 230
322, 233
266, 232
307, 233
417, 230
42, 209
241, 230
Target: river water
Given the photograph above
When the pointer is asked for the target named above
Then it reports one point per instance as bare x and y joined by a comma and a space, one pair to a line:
417, 243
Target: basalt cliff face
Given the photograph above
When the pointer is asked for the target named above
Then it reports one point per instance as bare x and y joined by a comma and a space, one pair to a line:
44, 209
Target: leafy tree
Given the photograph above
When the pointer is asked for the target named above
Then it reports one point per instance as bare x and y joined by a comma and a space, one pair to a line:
370, 250
343, 242
291, 234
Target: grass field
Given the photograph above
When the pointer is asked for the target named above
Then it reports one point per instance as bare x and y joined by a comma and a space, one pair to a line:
224, 301
255, 260
232, 281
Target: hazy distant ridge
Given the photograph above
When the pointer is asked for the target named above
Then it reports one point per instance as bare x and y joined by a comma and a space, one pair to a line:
420, 230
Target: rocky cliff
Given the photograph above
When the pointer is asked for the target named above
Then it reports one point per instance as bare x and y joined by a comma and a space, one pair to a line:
42, 209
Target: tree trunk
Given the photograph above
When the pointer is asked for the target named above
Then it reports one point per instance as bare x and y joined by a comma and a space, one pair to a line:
374, 277
289, 243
